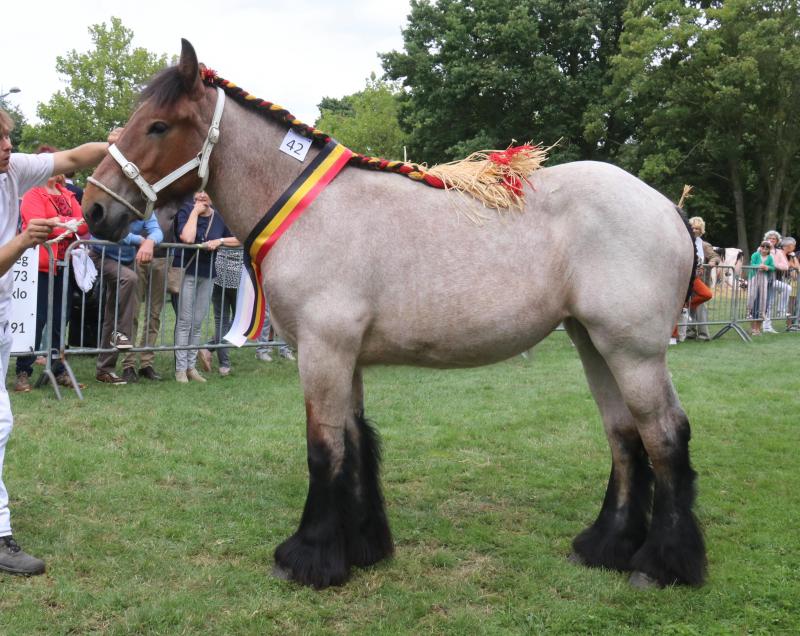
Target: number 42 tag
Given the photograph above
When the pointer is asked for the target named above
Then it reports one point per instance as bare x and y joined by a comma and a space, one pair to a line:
295, 145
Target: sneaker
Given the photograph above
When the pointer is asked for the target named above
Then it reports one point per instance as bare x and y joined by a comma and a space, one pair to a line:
287, 354
194, 375
263, 356
129, 375
120, 341
15, 561
223, 371
109, 378
180, 376
769, 329
23, 382
63, 379
204, 357
673, 341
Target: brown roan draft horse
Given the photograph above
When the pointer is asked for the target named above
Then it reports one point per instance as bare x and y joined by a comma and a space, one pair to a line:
383, 270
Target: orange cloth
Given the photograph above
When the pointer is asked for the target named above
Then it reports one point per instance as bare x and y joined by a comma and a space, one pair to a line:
700, 293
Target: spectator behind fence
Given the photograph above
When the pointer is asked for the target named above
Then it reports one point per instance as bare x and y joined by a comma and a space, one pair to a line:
773, 238
790, 277
698, 313
197, 223
228, 265
700, 293
115, 265
781, 285
762, 265
50, 201
18, 174
265, 338
70, 185
150, 290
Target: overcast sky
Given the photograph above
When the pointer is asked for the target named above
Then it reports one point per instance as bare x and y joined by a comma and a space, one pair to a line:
291, 52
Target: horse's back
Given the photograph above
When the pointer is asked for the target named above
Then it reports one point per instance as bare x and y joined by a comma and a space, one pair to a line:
419, 282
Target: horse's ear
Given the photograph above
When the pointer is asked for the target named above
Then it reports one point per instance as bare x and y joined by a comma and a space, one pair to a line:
189, 68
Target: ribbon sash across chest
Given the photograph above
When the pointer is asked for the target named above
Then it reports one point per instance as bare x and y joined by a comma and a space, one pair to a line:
251, 303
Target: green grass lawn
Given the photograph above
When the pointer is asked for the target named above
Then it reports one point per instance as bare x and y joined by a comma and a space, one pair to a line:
157, 506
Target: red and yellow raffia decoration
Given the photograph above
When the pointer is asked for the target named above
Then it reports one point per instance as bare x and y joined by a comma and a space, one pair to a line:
494, 177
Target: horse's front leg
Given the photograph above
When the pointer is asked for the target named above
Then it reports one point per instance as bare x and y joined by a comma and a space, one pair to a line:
316, 554
344, 521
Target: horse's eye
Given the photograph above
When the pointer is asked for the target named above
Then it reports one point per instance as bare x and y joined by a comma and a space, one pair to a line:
158, 128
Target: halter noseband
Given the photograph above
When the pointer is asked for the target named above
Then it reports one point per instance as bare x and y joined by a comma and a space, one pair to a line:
200, 161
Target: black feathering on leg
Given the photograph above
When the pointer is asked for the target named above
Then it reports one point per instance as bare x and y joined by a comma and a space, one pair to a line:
621, 527
371, 539
316, 554
674, 552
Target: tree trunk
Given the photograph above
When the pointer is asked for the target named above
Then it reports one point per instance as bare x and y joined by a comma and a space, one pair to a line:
738, 201
775, 189
786, 224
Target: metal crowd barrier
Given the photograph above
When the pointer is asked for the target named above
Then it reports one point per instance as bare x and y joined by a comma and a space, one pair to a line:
731, 308
734, 293
84, 311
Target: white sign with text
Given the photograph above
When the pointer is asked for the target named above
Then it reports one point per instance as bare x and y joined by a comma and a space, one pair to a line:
295, 145
23, 303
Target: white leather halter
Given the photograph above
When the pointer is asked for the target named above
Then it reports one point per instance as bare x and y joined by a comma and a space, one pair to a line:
200, 161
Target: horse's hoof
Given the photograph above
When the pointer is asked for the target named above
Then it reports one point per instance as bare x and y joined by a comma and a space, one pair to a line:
642, 581
281, 573
575, 559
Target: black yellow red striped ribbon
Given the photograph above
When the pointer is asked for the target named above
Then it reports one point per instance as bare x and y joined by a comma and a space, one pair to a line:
251, 303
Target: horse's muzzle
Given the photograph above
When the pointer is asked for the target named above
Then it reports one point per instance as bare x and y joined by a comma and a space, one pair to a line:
106, 224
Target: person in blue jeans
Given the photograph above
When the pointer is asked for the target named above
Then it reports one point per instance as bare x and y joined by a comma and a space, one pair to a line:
197, 223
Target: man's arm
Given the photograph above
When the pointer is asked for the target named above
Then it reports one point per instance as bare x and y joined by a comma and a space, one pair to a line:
36, 233
84, 156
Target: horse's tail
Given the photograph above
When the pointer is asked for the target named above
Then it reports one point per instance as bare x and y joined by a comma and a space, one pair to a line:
694, 258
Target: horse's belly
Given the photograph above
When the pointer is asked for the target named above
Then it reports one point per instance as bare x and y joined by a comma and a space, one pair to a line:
484, 335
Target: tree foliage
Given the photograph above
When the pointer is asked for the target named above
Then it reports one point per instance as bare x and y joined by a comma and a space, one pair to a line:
367, 121
480, 73
676, 91
102, 87
712, 93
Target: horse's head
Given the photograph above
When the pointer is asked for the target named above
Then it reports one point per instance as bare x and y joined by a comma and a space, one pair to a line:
161, 155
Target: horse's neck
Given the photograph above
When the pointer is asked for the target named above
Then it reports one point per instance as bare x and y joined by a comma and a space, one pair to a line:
248, 171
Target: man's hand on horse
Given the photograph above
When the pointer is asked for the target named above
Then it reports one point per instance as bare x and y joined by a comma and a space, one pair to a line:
114, 135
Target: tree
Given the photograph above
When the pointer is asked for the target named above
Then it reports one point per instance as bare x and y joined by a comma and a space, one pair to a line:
102, 87
480, 73
19, 122
712, 90
367, 121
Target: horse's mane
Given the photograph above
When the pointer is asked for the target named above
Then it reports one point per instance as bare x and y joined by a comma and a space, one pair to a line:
494, 177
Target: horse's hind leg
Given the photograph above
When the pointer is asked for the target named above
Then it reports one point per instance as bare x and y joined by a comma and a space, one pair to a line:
621, 527
339, 526
674, 550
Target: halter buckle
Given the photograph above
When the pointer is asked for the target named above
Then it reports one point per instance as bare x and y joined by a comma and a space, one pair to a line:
130, 170
213, 134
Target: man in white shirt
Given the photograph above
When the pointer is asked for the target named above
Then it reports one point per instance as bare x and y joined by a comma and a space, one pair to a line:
19, 173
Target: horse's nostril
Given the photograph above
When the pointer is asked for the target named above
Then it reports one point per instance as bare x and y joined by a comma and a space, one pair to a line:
96, 213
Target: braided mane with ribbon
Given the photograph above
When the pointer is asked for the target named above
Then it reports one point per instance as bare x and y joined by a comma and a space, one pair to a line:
494, 177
